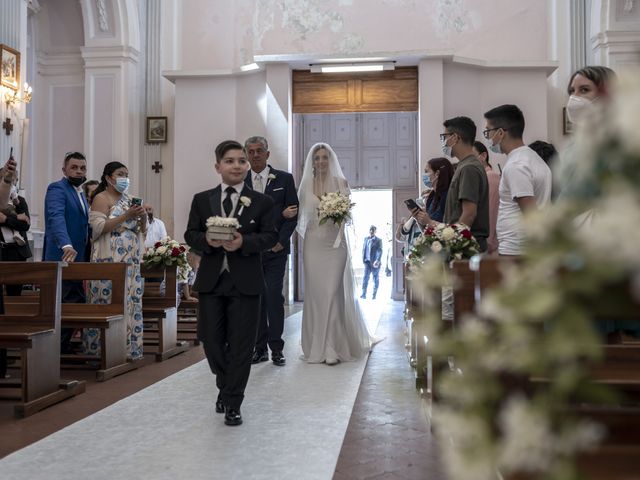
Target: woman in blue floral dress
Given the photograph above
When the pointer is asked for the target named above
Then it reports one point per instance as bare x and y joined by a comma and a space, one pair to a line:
117, 228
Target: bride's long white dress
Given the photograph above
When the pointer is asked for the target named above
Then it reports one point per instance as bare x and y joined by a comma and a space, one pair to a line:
333, 327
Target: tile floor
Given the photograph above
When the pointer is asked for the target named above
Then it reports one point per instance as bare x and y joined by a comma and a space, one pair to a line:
388, 436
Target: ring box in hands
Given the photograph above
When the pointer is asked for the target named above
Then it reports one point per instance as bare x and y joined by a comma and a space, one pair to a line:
221, 228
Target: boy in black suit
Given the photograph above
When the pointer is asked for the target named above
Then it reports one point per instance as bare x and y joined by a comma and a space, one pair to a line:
230, 279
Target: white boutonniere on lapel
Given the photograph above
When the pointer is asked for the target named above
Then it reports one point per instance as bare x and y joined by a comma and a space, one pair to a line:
270, 177
245, 201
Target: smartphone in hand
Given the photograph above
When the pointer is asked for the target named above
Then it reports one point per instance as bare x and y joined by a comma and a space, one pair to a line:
136, 202
411, 204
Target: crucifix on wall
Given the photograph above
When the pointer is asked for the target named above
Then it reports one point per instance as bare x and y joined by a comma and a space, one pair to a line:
8, 126
156, 167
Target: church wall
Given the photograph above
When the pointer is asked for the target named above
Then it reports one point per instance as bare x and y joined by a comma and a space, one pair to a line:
470, 91
472, 28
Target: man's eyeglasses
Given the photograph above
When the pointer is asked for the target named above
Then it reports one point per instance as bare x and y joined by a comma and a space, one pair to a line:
486, 133
443, 136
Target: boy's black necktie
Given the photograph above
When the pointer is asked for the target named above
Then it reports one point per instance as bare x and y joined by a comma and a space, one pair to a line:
227, 204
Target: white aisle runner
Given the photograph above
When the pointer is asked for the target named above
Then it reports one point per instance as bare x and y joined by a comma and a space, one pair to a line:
295, 418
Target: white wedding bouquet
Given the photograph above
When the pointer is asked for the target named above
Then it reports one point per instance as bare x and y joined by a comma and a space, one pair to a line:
221, 228
334, 206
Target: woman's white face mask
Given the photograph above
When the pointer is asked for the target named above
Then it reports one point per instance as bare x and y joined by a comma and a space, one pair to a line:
577, 107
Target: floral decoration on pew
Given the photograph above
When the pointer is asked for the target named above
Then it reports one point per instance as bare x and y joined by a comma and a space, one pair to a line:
522, 362
168, 252
448, 241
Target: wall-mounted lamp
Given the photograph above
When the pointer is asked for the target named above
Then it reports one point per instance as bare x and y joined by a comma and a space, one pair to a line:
352, 67
13, 97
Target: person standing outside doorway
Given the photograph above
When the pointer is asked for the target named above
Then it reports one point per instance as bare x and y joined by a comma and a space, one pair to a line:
371, 255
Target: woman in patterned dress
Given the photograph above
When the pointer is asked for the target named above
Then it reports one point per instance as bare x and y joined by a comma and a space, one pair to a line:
117, 235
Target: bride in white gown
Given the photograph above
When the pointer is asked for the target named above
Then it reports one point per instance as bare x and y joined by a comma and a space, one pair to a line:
333, 327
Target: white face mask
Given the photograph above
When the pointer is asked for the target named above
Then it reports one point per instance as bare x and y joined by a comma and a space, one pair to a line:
495, 148
446, 149
577, 107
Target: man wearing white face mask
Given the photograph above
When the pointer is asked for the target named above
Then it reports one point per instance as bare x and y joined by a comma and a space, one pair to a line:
526, 179
468, 196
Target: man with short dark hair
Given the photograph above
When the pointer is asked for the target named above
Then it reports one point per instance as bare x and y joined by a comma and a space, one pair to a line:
371, 255
468, 197
526, 179
66, 234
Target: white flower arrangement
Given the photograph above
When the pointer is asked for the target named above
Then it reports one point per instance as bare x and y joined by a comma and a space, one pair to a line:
222, 228
334, 206
227, 222
452, 242
167, 252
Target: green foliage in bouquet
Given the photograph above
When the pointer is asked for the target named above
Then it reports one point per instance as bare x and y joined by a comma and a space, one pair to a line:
167, 252
448, 242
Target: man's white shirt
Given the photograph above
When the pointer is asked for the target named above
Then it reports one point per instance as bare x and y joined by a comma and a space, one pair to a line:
524, 175
156, 231
264, 177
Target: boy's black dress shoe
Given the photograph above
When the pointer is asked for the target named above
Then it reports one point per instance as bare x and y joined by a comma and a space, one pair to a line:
232, 417
260, 356
278, 359
219, 405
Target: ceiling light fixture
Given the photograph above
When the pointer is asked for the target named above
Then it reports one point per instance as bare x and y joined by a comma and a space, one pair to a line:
351, 67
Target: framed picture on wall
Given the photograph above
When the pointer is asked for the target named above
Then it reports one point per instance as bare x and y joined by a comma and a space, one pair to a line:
9, 67
567, 126
156, 129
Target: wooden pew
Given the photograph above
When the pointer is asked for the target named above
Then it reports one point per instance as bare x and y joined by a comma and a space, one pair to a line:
160, 313
188, 321
37, 337
108, 318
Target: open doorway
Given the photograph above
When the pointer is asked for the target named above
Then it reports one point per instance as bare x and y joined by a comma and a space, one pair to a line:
373, 207
378, 155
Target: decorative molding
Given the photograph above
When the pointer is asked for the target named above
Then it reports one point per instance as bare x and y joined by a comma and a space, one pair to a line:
628, 6
173, 75
60, 64
33, 6
109, 56
101, 11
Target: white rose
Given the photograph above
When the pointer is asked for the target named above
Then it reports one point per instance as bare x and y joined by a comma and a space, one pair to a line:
436, 247
448, 234
161, 250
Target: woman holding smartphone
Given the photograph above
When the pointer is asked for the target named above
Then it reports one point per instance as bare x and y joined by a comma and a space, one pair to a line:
118, 222
438, 175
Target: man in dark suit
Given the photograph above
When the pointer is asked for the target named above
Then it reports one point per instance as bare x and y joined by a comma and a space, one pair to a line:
230, 280
371, 255
280, 187
66, 216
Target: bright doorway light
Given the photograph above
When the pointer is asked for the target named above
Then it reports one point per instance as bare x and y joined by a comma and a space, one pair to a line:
373, 207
